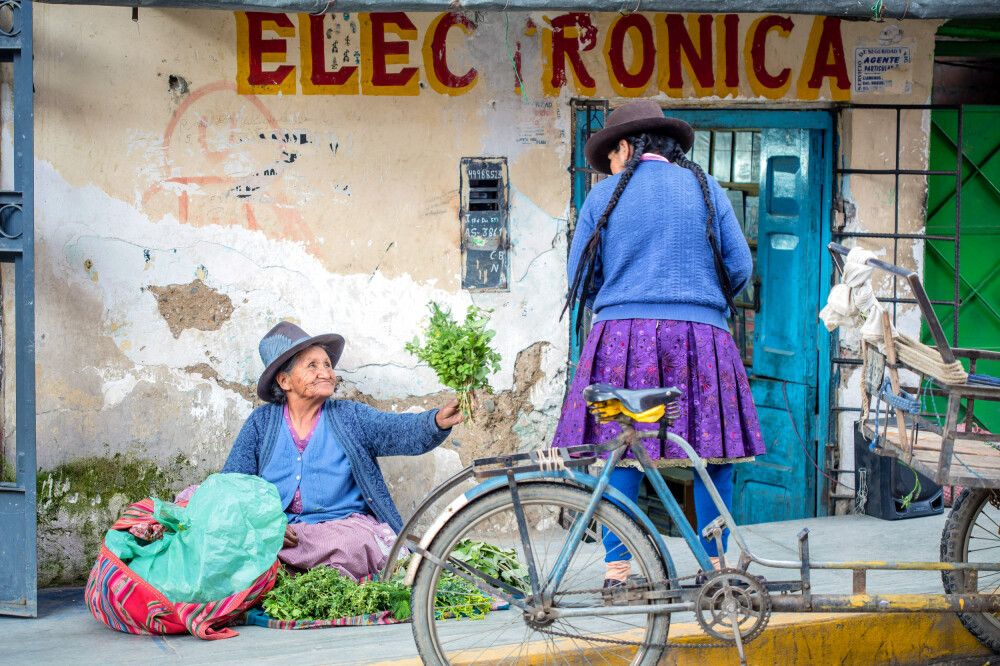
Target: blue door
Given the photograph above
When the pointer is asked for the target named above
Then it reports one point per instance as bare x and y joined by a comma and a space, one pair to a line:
775, 168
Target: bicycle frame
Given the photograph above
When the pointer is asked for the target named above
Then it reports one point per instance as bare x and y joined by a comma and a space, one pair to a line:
544, 466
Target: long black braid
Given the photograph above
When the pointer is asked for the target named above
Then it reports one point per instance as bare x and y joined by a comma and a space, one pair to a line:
585, 269
583, 281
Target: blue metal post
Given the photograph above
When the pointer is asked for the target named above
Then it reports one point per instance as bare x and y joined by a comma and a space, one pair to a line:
18, 566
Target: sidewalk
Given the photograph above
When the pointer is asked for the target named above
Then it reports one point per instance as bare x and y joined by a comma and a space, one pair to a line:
65, 633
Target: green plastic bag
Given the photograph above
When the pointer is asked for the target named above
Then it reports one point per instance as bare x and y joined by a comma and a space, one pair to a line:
219, 544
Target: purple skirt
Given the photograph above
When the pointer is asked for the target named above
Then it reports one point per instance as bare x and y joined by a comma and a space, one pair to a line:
717, 414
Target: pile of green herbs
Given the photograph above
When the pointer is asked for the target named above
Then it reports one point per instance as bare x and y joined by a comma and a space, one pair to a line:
494, 561
324, 593
460, 354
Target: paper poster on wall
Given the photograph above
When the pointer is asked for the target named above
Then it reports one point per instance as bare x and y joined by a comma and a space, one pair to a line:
882, 69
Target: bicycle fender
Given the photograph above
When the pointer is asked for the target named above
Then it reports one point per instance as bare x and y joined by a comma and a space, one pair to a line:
495, 483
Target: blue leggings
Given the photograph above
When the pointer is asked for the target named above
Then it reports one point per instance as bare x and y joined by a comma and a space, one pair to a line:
628, 479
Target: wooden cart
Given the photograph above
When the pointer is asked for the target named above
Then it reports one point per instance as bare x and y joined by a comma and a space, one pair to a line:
955, 451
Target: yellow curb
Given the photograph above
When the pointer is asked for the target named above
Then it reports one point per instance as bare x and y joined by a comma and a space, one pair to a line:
790, 640
838, 638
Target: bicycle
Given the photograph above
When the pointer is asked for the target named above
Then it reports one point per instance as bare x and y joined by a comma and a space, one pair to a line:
565, 600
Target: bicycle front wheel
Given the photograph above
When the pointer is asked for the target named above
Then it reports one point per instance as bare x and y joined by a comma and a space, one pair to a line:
448, 636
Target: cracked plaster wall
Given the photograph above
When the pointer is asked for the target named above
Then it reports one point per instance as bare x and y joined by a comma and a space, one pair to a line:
177, 221
173, 230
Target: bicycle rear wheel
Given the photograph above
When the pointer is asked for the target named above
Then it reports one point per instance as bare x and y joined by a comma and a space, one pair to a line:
972, 534
507, 636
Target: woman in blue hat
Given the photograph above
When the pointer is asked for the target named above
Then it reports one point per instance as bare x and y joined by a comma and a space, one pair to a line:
321, 454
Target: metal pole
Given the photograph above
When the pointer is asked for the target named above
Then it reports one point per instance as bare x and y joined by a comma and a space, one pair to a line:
958, 221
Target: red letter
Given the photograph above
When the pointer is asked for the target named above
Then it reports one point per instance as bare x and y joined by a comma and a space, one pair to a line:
625, 82
571, 35
825, 42
439, 75
731, 42
316, 78
761, 81
253, 51
680, 51
377, 53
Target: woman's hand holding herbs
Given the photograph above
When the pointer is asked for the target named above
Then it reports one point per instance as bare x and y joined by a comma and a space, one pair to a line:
460, 354
449, 416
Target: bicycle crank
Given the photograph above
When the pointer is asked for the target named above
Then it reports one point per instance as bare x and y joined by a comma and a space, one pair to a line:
733, 606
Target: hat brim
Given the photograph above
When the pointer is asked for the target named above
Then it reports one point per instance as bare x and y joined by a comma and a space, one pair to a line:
333, 343
601, 143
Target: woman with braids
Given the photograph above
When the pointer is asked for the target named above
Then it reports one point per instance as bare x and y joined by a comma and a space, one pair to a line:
658, 256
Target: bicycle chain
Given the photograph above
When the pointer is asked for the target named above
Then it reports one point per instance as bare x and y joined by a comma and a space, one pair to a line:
617, 641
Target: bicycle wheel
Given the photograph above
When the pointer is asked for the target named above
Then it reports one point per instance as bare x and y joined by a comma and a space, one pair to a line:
972, 534
507, 636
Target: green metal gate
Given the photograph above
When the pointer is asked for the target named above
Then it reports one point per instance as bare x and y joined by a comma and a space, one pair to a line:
964, 271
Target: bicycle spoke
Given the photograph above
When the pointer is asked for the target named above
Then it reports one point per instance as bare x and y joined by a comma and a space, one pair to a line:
505, 636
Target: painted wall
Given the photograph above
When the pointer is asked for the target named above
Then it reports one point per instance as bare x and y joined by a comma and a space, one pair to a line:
201, 175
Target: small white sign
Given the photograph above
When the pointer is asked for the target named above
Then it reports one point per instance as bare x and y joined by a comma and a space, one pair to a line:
882, 69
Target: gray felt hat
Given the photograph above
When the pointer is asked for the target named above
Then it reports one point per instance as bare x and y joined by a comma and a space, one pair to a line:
283, 342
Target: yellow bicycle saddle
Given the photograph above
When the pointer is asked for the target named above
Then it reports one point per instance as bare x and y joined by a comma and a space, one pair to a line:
634, 400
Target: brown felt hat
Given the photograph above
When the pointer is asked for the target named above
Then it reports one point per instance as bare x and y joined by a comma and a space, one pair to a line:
286, 340
634, 118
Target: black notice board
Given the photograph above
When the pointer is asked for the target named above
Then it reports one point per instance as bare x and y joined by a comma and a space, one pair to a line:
485, 220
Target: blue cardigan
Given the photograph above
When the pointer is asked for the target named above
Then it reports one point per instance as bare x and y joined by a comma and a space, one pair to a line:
654, 260
364, 432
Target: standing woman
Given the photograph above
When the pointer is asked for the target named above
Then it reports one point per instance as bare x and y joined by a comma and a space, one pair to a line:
658, 255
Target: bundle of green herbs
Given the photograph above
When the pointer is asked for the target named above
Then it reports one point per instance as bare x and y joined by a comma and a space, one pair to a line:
460, 354
324, 593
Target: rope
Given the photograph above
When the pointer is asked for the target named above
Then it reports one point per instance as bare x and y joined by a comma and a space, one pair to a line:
985, 380
866, 399
861, 493
802, 443
550, 460
908, 402
927, 361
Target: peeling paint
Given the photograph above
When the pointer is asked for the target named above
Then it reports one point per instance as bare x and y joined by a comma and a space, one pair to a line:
192, 305
247, 391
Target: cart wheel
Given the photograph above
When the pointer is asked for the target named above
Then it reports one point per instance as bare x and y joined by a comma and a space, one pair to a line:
972, 534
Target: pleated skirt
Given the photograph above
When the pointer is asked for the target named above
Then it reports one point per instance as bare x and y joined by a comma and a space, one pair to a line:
717, 413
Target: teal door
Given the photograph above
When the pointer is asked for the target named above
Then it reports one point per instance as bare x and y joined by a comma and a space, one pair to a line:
775, 168
781, 485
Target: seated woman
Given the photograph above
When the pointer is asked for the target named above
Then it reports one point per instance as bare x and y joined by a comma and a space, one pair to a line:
320, 453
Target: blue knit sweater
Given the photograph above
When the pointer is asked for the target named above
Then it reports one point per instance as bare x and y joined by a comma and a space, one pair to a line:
364, 432
654, 260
